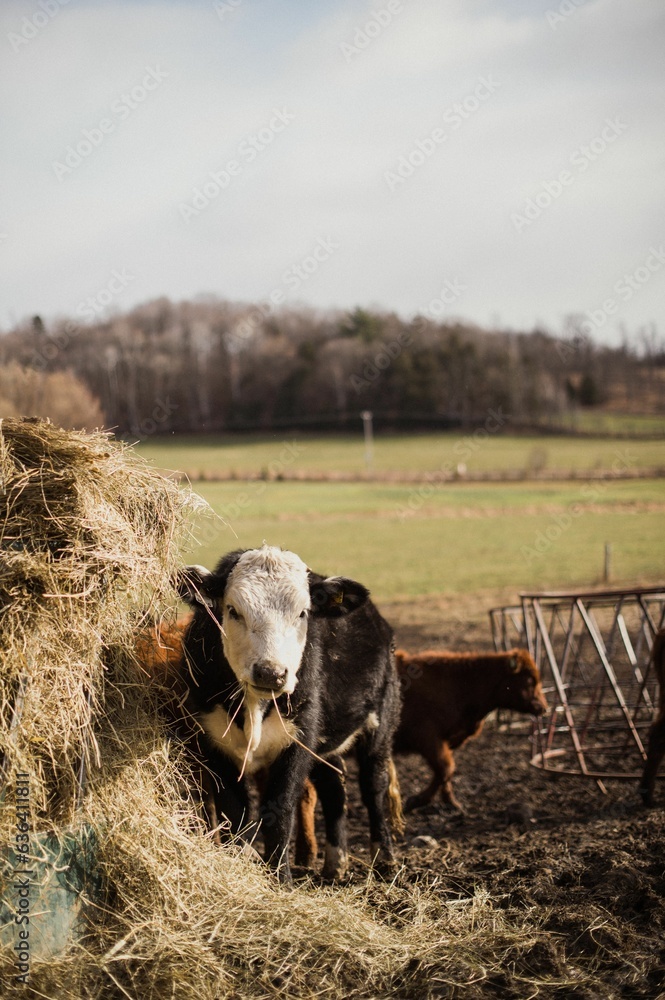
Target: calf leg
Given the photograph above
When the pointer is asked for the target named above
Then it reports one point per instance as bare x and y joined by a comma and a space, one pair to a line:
655, 754
447, 763
278, 805
440, 758
224, 797
374, 781
206, 785
331, 789
306, 846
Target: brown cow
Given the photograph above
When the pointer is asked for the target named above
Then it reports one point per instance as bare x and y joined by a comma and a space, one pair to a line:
160, 652
446, 696
656, 748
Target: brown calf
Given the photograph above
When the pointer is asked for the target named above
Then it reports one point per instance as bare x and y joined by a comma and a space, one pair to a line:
656, 748
160, 652
446, 696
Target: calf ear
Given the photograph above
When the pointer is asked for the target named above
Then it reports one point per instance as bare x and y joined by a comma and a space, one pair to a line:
192, 584
197, 585
336, 596
514, 663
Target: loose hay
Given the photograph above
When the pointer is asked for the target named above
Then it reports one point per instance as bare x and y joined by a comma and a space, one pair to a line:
89, 539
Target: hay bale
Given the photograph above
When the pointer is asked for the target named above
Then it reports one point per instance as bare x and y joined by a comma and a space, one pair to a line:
89, 539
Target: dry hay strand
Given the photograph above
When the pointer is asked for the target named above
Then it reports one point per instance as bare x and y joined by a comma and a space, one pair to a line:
89, 539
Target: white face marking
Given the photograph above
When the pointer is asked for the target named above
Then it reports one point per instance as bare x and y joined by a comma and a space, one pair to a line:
264, 617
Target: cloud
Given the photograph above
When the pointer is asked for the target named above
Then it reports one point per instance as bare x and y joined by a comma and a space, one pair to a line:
366, 84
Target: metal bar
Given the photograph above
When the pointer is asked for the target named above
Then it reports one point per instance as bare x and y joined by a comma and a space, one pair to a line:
595, 594
493, 626
554, 667
609, 645
527, 629
647, 614
632, 658
570, 634
518, 625
598, 643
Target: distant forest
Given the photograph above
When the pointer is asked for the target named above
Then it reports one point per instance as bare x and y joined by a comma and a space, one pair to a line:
215, 366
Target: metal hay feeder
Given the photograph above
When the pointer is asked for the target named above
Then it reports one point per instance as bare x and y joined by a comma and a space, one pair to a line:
593, 651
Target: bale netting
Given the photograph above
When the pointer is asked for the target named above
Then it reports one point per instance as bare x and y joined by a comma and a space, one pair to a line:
90, 537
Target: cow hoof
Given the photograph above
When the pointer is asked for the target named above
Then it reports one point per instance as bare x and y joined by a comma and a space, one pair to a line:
383, 860
414, 802
284, 878
335, 864
305, 860
647, 797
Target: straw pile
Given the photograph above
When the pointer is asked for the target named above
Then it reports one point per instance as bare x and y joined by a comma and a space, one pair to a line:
89, 538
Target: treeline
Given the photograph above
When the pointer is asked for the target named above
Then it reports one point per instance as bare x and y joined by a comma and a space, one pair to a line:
211, 366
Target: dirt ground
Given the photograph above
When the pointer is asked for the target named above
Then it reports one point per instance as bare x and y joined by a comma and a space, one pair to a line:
588, 867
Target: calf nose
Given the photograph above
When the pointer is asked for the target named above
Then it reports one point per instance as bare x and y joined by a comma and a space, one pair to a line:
265, 675
540, 706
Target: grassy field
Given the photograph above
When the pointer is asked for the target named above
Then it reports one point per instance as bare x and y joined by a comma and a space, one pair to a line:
406, 542
482, 453
409, 541
602, 422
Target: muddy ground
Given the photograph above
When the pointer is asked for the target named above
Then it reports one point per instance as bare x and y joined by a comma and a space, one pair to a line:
587, 868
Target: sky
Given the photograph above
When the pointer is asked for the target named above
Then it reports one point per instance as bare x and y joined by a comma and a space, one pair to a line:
498, 162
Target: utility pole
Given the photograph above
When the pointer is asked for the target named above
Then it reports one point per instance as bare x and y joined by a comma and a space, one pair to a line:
369, 439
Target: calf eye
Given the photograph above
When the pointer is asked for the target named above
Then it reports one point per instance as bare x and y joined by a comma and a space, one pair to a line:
233, 613
303, 614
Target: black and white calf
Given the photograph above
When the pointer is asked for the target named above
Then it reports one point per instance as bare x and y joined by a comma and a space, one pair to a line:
290, 669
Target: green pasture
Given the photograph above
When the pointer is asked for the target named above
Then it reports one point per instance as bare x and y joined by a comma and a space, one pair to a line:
482, 452
602, 422
407, 541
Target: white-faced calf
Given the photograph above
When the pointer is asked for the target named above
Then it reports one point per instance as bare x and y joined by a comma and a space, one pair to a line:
288, 670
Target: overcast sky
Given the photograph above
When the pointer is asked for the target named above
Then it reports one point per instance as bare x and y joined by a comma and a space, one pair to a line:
501, 161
